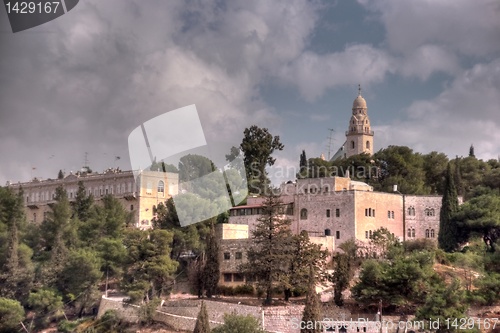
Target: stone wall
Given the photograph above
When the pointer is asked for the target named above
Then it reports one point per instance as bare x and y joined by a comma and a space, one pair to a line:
128, 312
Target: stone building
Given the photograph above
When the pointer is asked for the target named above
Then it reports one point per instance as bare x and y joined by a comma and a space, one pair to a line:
136, 195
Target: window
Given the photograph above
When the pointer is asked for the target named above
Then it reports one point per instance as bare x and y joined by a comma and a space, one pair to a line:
239, 255
238, 277
149, 187
392, 214
353, 145
161, 187
131, 207
409, 233
411, 211
328, 232
373, 212
366, 233
228, 277
337, 234
367, 142
34, 217
370, 234
413, 233
366, 211
337, 212
426, 233
432, 233
227, 255
389, 214
327, 213
303, 214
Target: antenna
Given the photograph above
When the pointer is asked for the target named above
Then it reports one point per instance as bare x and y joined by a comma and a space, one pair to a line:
330, 142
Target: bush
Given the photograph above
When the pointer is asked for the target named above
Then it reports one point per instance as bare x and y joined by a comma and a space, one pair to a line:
244, 289
419, 245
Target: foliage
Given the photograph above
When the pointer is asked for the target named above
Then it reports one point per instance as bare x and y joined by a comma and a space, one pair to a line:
270, 254
401, 282
344, 265
304, 254
303, 165
239, 323
47, 305
83, 203
312, 310
443, 302
258, 145
211, 271
449, 237
482, 215
488, 289
148, 267
202, 325
11, 315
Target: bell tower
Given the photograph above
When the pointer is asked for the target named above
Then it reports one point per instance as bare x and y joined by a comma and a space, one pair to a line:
359, 136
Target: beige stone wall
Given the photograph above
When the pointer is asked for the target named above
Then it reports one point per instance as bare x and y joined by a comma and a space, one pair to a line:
421, 221
138, 198
381, 204
231, 231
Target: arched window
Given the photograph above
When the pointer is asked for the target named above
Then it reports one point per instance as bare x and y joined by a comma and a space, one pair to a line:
161, 186
413, 233
392, 214
370, 234
432, 233
388, 214
353, 144
409, 232
303, 214
426, 233
367, 144
431, 212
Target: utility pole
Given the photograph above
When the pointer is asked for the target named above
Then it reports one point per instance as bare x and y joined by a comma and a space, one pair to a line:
330, 142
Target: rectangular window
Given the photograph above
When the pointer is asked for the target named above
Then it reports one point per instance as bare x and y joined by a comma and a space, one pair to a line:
366, 211
239, 255
238, 277
337, 212
366, 234
228, 277
337, 234
227, 255
327, 213
131, 207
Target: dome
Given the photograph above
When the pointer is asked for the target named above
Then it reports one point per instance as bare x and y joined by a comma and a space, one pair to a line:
359, 102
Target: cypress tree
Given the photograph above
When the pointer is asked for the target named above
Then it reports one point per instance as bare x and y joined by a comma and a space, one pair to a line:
471, 151
311, 317
302, 165
211, 270
449, 233
202, 325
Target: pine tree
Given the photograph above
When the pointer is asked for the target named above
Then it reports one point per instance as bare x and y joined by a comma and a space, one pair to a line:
211, 270
311, 317
271, 254
83, 203
471, 151
60, 175
449, 233
202, 325
458, 178
303, 167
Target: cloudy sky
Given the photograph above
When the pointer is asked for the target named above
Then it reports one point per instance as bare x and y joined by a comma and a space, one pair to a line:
429, 70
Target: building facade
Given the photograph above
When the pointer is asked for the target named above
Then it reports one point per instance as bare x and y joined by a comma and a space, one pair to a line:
137, 195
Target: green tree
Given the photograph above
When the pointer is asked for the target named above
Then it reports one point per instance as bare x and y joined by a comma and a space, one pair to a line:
344, 265
304, 254
303, 165
311, 317
11, 315
442, 305
435, 170
148, 268
202, 325
60, 174
258, 145
481, 215
211, 271
239, 323
47, 305
270, 255
449, 234
471, 151
83, 203
81, 287
488, 289
17, 271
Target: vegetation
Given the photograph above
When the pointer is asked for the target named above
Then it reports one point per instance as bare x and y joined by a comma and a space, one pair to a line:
311, 316
202, 325
449, 237
239, 323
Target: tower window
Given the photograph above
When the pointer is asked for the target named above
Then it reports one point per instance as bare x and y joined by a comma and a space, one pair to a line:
367, 144
327, 213
303, 214
353, 144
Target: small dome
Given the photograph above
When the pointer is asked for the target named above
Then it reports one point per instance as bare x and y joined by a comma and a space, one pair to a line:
359, 102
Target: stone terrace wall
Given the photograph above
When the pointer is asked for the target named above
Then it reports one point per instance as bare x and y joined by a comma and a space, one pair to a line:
282, 318
128, 312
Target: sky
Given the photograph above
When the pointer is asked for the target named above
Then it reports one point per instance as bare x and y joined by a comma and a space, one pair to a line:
75, 88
